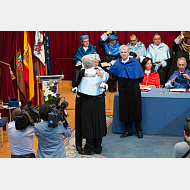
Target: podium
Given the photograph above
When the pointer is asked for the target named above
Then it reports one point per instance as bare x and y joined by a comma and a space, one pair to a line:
44, 80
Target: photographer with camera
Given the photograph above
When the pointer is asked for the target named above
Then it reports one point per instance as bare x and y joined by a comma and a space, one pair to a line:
50, 131
182, 149
21, 133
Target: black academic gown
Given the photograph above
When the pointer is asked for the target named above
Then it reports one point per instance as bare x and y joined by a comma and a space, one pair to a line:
90, 117
177, 54
129, 100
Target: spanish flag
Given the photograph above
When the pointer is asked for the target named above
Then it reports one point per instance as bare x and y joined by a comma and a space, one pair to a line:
28, 65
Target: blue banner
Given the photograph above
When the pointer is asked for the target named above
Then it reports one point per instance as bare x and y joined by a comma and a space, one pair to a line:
47, 52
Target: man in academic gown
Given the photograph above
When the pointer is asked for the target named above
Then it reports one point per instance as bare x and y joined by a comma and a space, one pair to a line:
130, 74
137, 48
180, 78
181, 48
110, 48
160, 54
84, 49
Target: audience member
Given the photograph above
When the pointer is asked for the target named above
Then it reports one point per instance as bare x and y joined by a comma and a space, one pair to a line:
182, 149
160, 54
21, 141
111, 53
50, 140
90, 107
180, 78
137, 48
84, 49
180, 48
151, 77
130, 74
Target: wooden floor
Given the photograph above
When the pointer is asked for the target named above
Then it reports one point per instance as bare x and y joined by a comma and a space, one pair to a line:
64, 91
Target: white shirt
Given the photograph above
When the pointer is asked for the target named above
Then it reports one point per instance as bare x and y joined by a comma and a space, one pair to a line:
147, 72
125, 60
85, 48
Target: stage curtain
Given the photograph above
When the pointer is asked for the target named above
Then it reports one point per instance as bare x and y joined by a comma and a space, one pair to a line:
63, 44
7, 47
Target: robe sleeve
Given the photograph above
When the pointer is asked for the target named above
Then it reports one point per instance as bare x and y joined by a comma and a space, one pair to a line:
81, 74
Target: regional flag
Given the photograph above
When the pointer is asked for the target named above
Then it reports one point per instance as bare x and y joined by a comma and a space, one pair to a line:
28, 65
39, 50
39, 46
20, 74
19, 68
47, 52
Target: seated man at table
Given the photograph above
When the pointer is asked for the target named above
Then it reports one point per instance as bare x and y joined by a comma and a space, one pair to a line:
180, 48
137, 47
182, 149
160, 54
21, 135
180, 78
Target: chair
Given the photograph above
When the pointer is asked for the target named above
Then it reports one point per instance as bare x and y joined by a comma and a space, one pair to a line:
3, 121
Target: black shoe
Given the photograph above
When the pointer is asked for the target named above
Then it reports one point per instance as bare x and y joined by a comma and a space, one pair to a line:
78, 148
126, 134
112, 90
98, 151
140, 135
84, 152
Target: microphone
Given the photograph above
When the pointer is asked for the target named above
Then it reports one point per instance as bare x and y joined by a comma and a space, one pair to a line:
59, 66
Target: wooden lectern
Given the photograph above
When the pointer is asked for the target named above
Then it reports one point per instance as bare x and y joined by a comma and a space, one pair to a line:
42, 79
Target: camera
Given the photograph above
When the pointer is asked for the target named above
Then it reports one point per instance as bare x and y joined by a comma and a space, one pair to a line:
28, 116
58, 113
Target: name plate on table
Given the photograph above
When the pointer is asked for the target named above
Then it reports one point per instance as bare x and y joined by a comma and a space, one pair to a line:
179, 90
145, 88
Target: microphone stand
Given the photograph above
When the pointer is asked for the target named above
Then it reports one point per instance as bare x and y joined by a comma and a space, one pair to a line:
59, 66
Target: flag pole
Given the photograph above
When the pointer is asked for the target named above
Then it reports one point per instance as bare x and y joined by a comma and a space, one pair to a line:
18, 92
37, 81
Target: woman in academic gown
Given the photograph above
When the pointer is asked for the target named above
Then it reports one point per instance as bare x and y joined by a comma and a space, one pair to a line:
90, 110
151, 77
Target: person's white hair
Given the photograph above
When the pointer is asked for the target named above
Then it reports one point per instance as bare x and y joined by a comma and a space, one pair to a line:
124, 47
88, 61
182, 59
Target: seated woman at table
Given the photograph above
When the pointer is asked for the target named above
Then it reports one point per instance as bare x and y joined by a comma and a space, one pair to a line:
151, 77
180, 78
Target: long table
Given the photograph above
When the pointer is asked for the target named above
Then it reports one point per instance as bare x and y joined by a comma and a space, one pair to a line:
162, 113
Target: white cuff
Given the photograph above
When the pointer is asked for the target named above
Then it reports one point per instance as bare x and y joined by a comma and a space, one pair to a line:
112, 62
78, 63
179, 39
169, 85
104, 36
104, 86
164, 63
